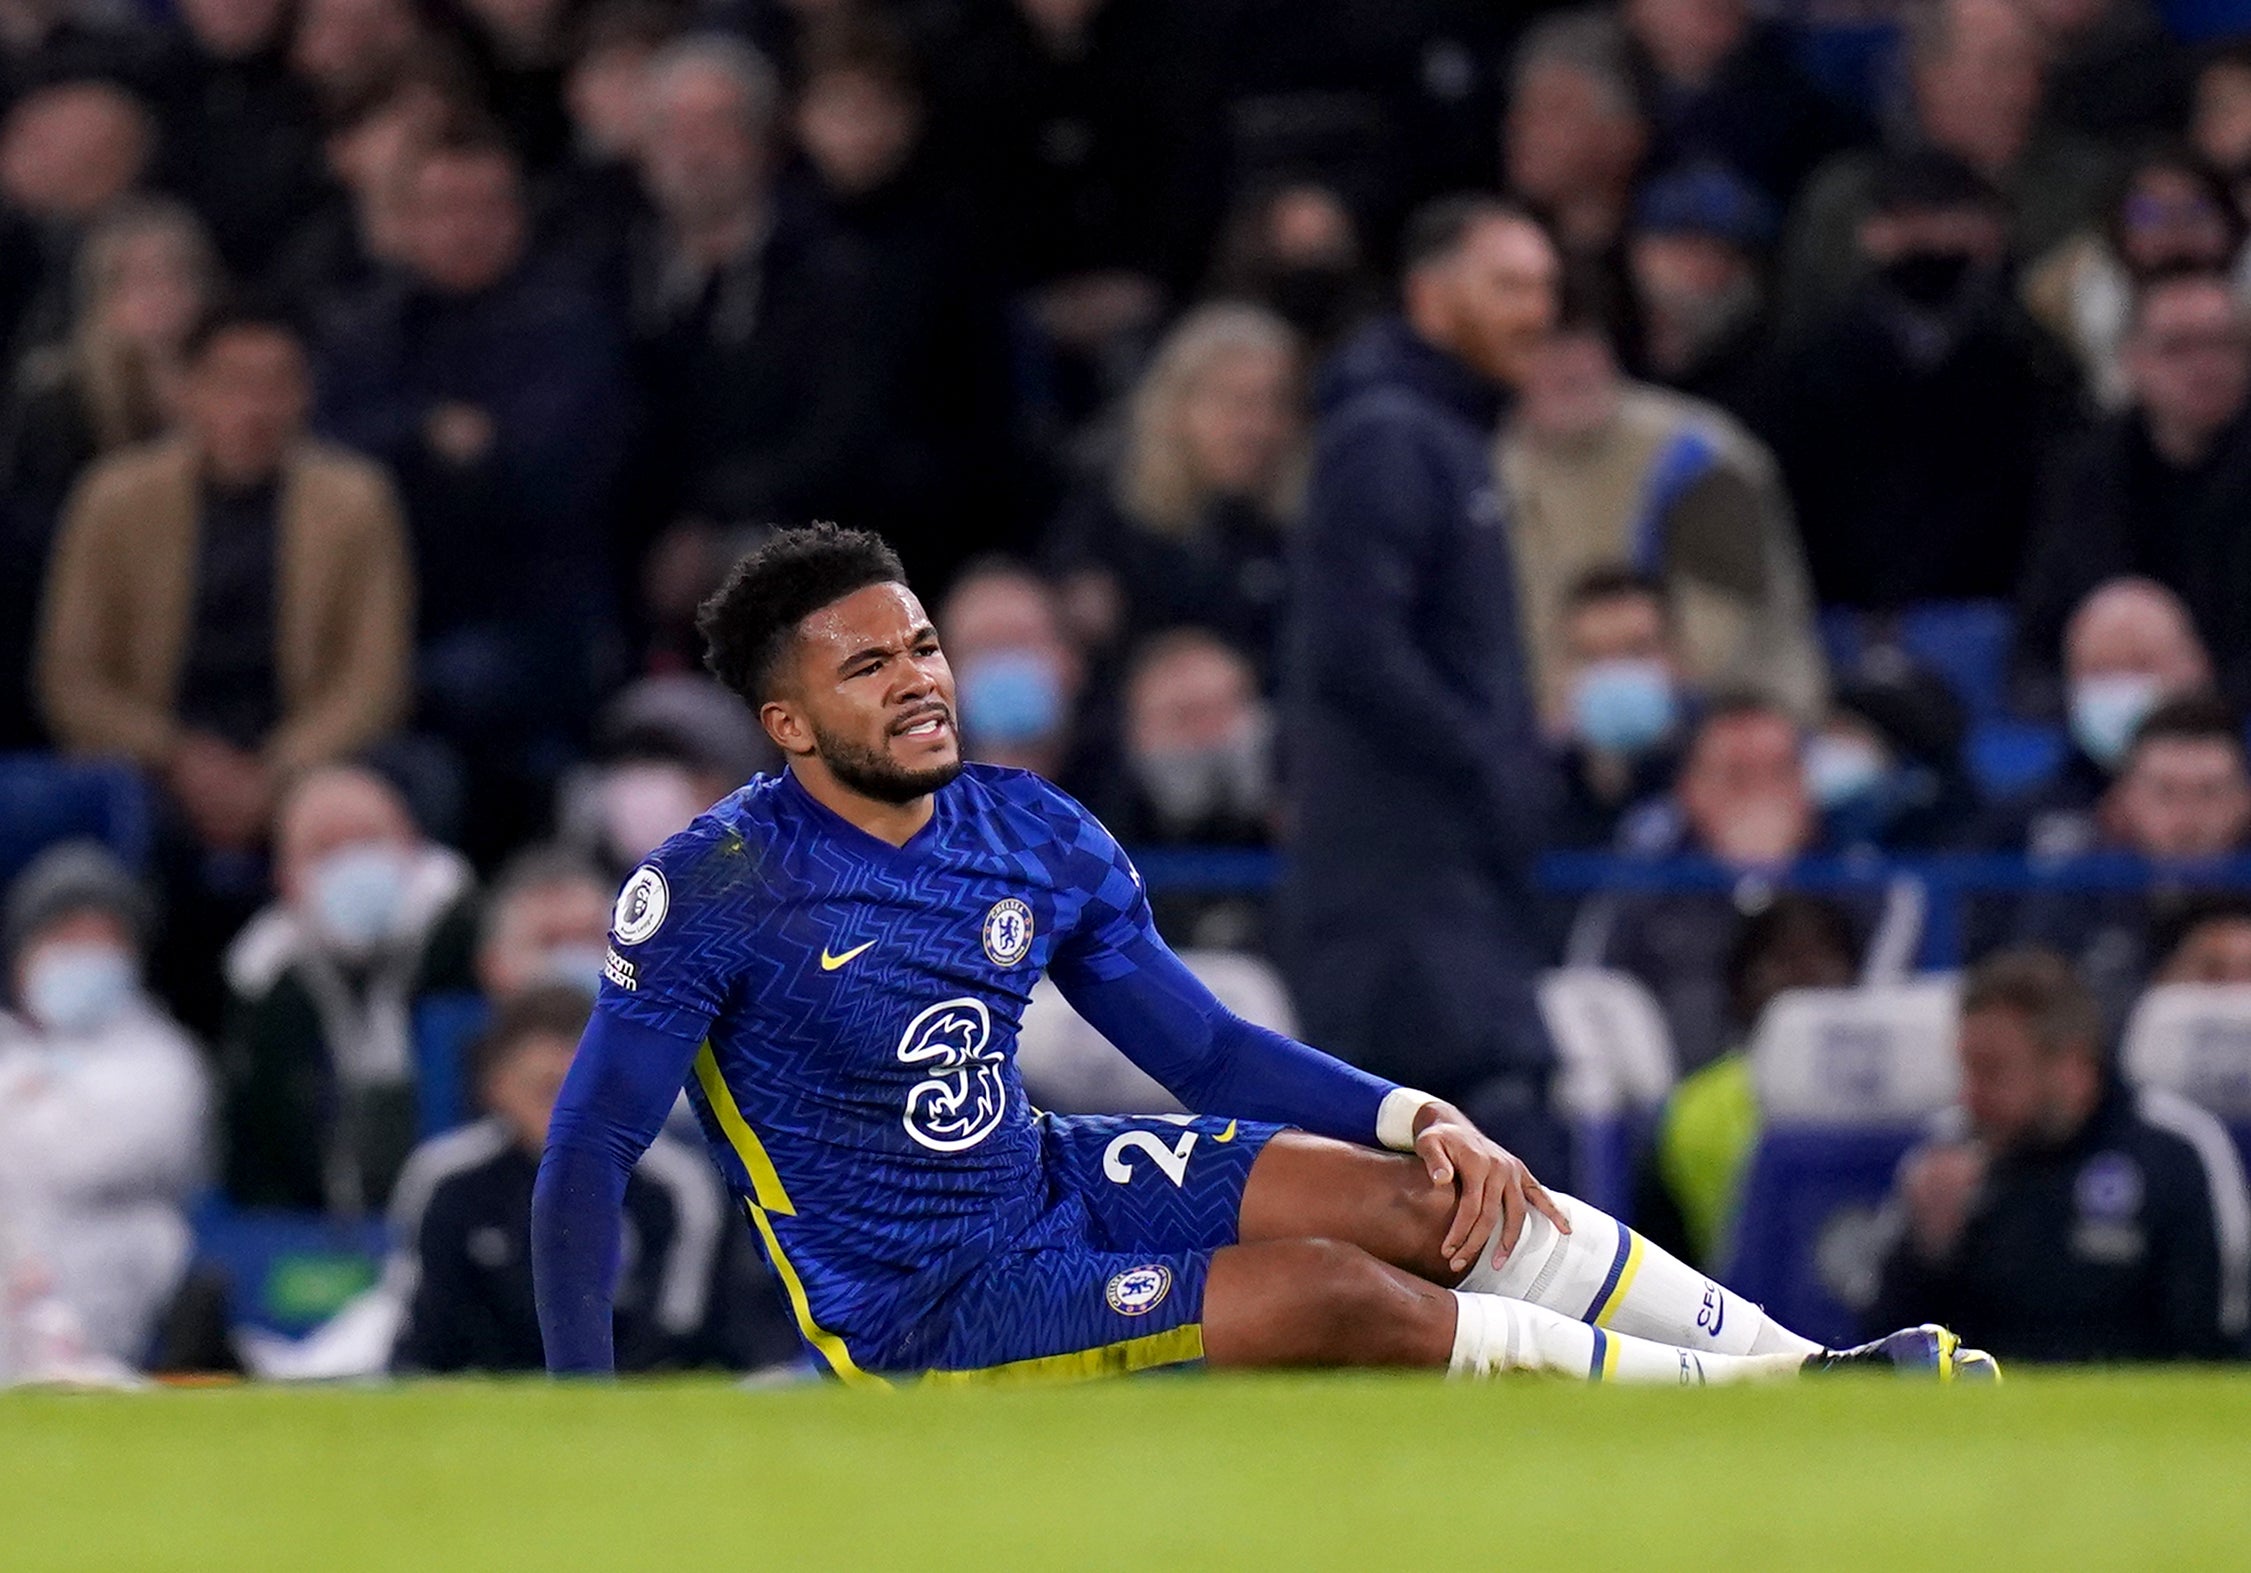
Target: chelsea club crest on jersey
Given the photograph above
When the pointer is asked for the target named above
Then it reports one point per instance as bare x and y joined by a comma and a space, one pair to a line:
1008, 932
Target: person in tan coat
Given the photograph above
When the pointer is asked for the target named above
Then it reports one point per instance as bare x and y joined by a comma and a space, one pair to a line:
235, 602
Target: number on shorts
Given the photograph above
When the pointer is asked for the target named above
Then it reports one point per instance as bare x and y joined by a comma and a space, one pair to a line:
1172, 1160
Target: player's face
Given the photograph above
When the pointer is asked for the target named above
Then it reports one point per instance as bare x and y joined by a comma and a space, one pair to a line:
874, 696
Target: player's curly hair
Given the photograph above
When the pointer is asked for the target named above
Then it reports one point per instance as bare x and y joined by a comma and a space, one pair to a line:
747, 622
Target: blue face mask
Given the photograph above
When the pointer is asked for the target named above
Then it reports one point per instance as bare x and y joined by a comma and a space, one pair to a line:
358, 893
1842, 771
1624, 707
75, 989
578, 965
1010, 696
2107, 711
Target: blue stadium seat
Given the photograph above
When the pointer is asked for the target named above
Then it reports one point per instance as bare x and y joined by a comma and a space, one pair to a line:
1847, 1081
45, 798
2009, 758
444, 1027
1810, 1204
287, 1272
2202, 19
1965, 642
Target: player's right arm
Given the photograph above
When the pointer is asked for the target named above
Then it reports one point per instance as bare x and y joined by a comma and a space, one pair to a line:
614, 1102
665, 979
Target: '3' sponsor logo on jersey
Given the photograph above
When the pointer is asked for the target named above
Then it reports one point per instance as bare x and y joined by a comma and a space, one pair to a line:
962, 1095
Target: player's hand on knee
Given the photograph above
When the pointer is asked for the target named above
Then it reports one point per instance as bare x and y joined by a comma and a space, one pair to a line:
1497, 1191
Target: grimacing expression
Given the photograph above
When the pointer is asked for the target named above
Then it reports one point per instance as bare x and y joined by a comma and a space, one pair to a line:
875, 694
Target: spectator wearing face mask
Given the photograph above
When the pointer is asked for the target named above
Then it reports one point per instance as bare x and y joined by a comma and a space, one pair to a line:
2171, 214
1294, 247
2162, 488
1691, 1179
665, 749
1019, 679
1975, 79
1600, 469
1698, 252
1192, 528
544, 921
1199, 771
1742, 801
1913, 422
317, 1062
1885, 765
104, 1104
2207, 940
2182, 798
1623, 710
2128, 648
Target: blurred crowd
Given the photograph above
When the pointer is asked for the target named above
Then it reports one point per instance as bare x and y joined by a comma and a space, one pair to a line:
1415, 437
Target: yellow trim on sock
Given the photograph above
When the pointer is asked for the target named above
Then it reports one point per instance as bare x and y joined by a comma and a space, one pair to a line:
1173, 1347
1609, 1359
830, 1346
1617, 1295
765, 1180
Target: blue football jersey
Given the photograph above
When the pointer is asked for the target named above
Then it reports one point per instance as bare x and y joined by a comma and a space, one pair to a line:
858, 1005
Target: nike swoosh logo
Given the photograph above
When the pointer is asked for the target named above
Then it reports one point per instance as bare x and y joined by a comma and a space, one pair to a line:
830, 963
1228, 1134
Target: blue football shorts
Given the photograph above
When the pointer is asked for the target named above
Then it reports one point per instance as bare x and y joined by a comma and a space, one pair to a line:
1146, 1200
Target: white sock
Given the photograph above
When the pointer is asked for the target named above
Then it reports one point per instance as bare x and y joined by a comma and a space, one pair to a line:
1493, 1334
1604, 1273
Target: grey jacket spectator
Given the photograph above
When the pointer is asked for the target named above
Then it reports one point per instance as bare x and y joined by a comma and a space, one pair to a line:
1422, 788
104, 1104
1600, 470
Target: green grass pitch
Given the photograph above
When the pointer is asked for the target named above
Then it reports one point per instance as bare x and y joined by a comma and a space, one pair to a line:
2051, 1471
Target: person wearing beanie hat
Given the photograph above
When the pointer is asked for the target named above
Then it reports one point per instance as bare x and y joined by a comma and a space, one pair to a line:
1698, 250
104, 1104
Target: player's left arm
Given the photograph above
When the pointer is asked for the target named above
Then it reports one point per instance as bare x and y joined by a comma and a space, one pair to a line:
1122, 977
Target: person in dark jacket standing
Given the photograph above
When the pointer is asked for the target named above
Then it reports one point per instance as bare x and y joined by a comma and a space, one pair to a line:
2065, 1216
1422, 789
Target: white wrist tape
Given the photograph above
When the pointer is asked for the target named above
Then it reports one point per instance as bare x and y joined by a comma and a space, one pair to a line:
1395, 1117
